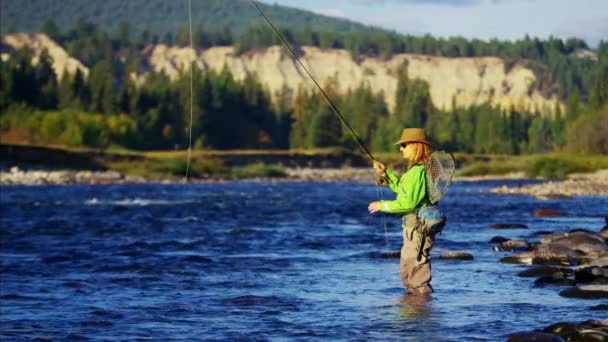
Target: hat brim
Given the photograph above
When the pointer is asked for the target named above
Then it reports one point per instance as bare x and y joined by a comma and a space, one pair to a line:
412, 141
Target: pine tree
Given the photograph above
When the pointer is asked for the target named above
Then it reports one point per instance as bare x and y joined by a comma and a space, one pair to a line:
47, 80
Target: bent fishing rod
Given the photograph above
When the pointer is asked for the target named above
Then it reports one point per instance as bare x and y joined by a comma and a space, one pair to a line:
329, 101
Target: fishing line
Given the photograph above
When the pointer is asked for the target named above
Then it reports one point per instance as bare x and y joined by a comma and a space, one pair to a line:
329, 101
191, 89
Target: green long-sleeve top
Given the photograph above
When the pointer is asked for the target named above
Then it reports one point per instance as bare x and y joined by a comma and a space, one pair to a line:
410, 190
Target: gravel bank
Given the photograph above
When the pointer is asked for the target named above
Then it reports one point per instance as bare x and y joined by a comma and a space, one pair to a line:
576, 185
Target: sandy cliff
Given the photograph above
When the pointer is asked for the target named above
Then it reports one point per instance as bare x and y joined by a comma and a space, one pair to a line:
37, 42
466, 80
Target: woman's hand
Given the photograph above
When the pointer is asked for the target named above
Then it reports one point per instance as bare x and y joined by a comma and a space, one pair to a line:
379, 167
374, 207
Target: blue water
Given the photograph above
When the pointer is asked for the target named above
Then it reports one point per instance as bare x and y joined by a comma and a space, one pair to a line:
264, 261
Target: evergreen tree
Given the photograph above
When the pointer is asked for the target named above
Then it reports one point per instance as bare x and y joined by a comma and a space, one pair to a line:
47, 81
299, 127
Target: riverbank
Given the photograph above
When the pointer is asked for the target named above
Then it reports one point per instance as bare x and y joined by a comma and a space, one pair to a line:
595, 184
17, 176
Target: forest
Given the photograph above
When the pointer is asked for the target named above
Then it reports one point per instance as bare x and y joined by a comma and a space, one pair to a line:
107, 109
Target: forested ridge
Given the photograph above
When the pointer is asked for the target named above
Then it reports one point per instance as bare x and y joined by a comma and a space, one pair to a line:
107, 108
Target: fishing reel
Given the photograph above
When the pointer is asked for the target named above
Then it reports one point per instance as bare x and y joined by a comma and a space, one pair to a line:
382, 179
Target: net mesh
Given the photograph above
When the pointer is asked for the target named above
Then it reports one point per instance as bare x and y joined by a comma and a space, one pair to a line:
439, 171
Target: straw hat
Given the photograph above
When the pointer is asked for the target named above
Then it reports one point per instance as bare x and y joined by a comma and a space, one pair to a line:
410, 135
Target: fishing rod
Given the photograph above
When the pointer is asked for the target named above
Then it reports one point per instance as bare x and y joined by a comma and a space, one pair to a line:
329, 101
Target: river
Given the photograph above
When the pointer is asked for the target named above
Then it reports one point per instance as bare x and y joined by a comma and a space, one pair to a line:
266, 261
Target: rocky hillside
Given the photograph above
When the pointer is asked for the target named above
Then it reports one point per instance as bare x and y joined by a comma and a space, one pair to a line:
467, 81
37, 42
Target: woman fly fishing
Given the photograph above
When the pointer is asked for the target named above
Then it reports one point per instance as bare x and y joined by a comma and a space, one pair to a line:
412, 196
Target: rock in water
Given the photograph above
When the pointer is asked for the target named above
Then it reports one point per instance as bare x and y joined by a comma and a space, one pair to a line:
456, 256
586, 292
547, 212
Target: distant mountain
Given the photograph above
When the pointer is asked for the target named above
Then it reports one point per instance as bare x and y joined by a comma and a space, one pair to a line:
161, 16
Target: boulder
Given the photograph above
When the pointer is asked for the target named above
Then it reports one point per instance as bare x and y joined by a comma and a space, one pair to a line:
586, 292
546, 271
579, 241
454, 255
591, 274
534, 336
554, 280
498, 239
545, 255
512, 245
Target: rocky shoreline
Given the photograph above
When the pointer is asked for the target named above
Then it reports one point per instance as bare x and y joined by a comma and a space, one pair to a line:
17, 176
577, 185
576, 264
593, 184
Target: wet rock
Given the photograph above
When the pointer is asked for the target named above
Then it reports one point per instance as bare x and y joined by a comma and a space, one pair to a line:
604, 231
454, 255
594, 259
544, 255
578, 240
546, 271
554, 280
586, 292
552, 196
534, 336
586, 331
562, 328
599, 307
591, 274
547, 212
508, 226
513, 245
498, 239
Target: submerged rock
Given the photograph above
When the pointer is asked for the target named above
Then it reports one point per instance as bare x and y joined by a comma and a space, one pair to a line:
554, 280
508, 226
565, 331
546, 212
534, 336
454, 255
498, 239
586, 292
546, 271
512, 245
585, 242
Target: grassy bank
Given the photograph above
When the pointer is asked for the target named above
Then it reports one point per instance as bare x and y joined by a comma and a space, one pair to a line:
236, 164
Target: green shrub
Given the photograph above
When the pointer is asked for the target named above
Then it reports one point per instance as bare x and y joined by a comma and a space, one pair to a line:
552, 167
259, 170
486, 168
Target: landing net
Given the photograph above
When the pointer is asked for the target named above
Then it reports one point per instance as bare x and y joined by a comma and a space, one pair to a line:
439, 172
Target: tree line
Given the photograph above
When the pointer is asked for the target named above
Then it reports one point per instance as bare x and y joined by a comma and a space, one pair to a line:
99, 111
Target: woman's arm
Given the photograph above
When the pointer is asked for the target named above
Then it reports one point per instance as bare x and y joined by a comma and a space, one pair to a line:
411, 191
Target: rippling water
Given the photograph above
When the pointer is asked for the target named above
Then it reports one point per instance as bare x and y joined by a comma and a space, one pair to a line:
264, 261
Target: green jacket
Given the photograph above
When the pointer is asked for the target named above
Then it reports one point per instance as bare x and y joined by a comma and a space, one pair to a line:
410, 190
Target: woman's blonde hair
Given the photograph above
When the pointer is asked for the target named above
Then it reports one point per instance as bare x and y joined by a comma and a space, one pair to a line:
420, 154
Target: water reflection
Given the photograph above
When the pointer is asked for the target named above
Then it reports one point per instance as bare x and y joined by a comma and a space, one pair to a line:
416, 307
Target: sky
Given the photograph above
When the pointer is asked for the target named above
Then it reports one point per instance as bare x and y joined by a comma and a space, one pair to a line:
482, 19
